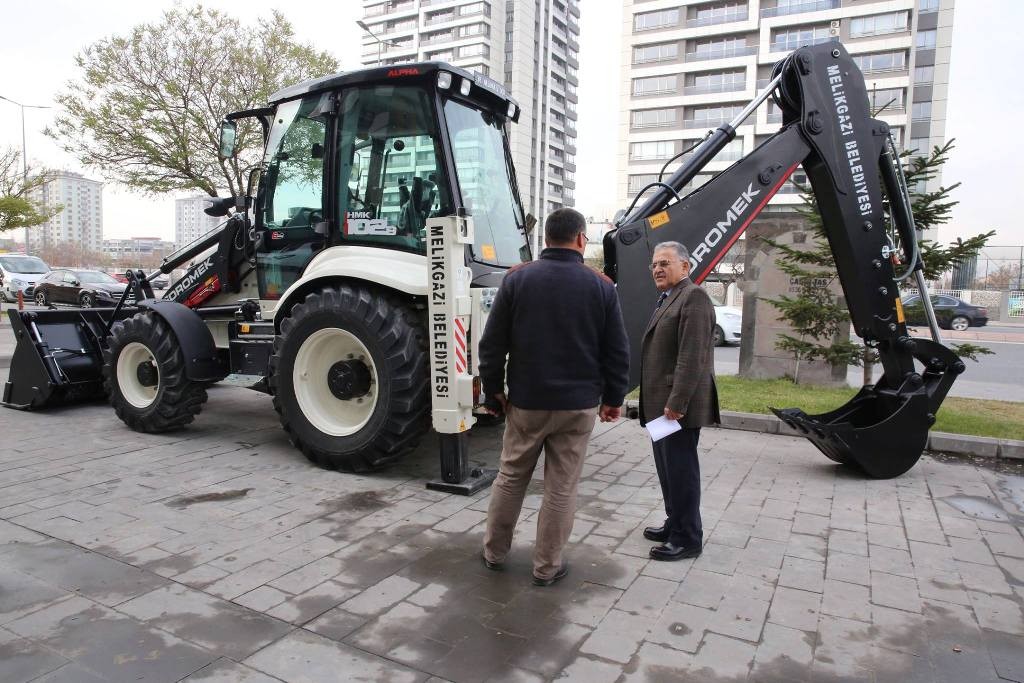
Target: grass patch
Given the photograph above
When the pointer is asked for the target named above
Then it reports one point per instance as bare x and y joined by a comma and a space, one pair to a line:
978, 417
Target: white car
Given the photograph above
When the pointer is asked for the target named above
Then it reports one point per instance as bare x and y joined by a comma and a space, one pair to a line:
727, 331
20, 273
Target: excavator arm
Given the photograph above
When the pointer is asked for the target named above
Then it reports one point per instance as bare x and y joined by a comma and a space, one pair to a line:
853, 167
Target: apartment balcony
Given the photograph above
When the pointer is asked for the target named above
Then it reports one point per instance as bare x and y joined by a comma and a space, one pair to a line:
443, 38
735, 86
721, 53
704, 123
891, 70
811, 6
787, 46
715, 20
434, 21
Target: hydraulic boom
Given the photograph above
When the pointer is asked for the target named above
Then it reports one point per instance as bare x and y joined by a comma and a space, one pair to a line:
849, 157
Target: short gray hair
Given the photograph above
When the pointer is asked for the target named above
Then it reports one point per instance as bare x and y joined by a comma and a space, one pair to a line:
681, 251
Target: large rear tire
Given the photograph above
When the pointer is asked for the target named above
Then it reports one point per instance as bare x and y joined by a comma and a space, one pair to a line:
349, 377
144, 375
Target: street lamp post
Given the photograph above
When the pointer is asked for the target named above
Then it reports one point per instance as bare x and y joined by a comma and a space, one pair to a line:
380, 41
24, 154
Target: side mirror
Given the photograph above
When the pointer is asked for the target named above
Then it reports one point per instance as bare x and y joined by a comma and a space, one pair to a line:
531, 223
253, 185
76, 283
228, 132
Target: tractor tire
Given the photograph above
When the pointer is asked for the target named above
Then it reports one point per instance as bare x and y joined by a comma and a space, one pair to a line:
144, 375
350, 378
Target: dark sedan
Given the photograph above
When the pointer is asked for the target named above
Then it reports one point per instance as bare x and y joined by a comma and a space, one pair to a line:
950, 312
85, 288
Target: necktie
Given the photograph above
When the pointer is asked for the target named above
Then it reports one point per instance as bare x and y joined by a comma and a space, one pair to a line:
661, 299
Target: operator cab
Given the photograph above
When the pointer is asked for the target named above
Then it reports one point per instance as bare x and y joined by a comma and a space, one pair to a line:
366, 158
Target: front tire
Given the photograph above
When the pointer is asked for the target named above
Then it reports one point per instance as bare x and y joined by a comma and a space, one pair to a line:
86, 300
40, 298
350, 379
959, 323
144, 375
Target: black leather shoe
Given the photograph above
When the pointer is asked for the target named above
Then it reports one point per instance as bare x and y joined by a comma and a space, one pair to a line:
559, 575
493, 566
670, 552
658, 534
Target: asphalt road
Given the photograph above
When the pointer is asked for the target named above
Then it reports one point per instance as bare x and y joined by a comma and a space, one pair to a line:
992, 377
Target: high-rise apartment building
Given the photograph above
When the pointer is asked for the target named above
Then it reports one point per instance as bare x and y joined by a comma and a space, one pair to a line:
530, 46
190, 222
690, 66
81, 220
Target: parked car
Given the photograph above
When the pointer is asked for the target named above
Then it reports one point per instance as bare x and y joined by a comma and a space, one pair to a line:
729, 320
950, 312
19, 272
85, 288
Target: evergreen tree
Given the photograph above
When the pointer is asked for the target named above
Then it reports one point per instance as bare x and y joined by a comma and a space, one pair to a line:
818, 318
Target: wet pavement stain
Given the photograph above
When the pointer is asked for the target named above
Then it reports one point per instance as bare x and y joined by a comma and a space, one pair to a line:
184, 501
982, 508
358, 500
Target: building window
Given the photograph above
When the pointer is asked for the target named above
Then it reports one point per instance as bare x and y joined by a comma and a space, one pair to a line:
655, 53
659, 149
925, 40
878, 24
714, 115
878, 62
919, 147
721, 48
655, 85
924, 74
639, 182
652, 118
928, 6
886, 101
732, 151
921, 111
475, 50
721, 81
787, 39
653, 20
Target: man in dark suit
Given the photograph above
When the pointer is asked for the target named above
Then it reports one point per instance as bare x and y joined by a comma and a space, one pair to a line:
677, 380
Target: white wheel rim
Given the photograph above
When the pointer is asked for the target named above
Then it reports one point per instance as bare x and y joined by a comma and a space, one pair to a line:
325, 411
134, 391
960, 325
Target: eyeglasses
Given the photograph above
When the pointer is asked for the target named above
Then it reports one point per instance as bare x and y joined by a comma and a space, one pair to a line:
662, 264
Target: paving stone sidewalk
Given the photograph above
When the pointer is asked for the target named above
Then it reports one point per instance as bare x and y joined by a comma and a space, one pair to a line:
219, 554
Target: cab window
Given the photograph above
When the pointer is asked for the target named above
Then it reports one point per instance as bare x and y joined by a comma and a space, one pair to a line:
390, 181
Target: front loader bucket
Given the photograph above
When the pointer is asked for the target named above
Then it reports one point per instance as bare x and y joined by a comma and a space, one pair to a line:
58, 357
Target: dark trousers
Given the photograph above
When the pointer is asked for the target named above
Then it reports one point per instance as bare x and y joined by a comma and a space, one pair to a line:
675, 456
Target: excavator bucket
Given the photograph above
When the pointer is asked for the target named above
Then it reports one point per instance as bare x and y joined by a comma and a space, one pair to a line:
883, 431
58, 357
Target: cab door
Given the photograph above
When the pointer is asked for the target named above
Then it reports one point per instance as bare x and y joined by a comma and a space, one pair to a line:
292, 220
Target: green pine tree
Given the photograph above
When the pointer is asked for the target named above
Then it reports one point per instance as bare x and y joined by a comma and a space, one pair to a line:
819, 319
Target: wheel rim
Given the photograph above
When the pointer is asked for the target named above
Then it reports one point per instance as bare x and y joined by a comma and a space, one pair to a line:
128, 382
960, 324
86, 301
41, 299
319, 353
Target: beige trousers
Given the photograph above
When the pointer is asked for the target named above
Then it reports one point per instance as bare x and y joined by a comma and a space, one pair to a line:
563, 436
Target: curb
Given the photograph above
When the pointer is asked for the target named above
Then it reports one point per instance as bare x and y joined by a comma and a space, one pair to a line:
938, 442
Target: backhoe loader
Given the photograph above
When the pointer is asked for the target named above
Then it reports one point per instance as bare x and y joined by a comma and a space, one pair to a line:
353, 281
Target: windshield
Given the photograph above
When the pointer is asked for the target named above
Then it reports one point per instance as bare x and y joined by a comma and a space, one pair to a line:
486, 179
28, 265
95, 277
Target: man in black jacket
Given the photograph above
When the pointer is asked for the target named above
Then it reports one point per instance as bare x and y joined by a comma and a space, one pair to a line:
558, 322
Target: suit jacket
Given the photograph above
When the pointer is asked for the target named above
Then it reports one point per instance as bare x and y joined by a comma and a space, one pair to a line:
677, 361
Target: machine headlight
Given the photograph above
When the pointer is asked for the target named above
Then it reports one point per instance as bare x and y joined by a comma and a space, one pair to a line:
444, 80
465, 86
511, 110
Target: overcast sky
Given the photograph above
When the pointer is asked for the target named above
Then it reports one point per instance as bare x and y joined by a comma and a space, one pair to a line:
986, 97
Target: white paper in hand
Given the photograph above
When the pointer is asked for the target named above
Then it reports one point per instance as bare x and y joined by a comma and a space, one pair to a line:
661, 427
